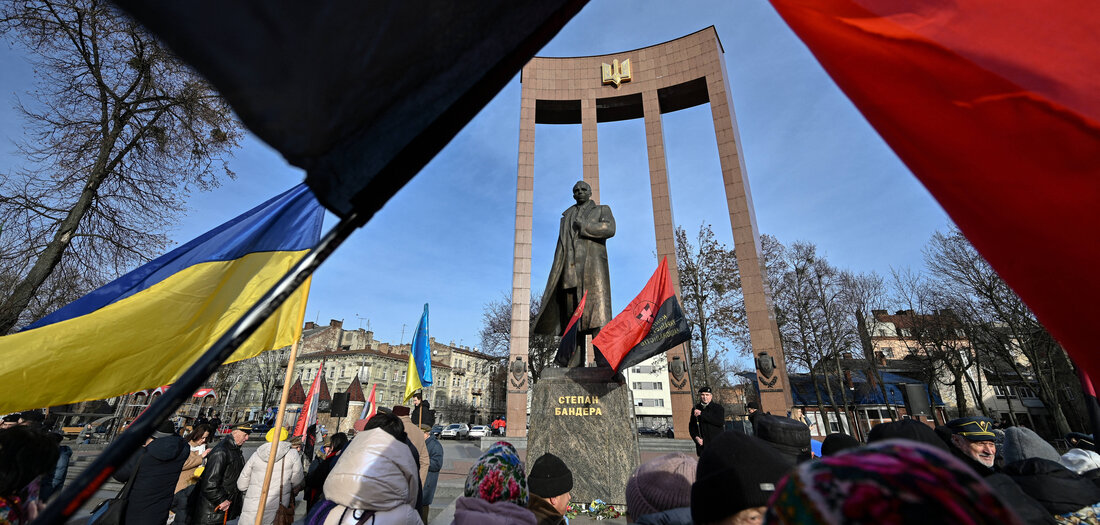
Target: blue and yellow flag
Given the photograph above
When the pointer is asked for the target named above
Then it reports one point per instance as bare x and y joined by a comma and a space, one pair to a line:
419, 374
145, 328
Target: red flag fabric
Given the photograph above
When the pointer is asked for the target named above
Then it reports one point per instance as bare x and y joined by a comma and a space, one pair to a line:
568, 343
368, 410
308, 415
652, 323
994, 107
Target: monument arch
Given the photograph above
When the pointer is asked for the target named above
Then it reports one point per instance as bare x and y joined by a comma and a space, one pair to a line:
644, 83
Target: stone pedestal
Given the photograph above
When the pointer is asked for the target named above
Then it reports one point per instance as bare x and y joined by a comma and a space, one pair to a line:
585, 416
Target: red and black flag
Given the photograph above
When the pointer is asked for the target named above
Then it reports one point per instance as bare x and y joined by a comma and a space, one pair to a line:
652, 323
569, 339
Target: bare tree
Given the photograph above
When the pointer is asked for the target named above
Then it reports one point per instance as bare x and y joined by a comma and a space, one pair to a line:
710, 288
496, 332
1012, 330
119, 131
863, 293
268, 371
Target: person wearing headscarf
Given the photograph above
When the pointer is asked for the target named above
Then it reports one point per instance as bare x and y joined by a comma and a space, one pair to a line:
495, 492
893, 481
736, 475
659, 490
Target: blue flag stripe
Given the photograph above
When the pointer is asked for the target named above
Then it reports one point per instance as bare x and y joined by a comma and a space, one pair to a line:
288, 222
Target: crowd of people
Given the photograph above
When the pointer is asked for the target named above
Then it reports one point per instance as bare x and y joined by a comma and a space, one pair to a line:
967, 471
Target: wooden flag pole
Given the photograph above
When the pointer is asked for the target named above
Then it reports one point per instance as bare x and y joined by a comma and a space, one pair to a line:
277, 430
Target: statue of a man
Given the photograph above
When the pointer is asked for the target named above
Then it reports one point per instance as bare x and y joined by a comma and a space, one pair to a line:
580, 265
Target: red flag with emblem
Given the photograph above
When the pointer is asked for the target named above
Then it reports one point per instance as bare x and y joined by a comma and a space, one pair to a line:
568, 342
651, 324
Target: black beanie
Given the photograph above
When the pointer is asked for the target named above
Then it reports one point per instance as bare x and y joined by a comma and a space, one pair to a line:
165, 429
549, 477
910, 429
791, 438
837, 443
735, 472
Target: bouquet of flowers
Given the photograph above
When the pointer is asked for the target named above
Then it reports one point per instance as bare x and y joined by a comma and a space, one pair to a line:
597, 510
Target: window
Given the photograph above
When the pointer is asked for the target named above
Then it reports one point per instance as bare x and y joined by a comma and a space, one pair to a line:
643, 402
888, 352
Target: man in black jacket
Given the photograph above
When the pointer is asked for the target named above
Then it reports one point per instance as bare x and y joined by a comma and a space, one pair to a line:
216, 492
706, 420
156, 469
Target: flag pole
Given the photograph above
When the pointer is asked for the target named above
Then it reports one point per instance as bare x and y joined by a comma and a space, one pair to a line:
277, 430
74, 495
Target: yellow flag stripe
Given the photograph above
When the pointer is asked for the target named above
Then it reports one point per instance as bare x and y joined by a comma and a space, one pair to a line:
148, 339
412, 379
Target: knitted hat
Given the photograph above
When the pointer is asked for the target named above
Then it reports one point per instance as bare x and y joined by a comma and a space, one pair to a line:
736, 472
549, 477
661, 484
892, 481
753, 405
910, 429
1022, 443
791, 438
838, 442
498, 475
1080, 460
165, 429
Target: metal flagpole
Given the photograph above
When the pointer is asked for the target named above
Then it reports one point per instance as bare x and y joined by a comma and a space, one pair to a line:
277, 430
85, 485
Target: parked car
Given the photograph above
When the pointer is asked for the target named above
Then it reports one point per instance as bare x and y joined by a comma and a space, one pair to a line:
479, 431
456, 431
646, 431
437, 430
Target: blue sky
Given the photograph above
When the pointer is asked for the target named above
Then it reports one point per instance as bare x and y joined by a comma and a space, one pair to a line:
818, 172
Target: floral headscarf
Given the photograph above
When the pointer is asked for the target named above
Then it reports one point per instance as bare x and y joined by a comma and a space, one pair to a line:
498, 475
893, 481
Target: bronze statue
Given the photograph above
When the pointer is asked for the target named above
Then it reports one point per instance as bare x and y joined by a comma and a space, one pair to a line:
580, 265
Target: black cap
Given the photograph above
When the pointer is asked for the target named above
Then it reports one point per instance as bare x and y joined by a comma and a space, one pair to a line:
837, 443
243, 427
753, 405
736, 472
975, 428
549, 477
165, 429
704, 390
791, 438
910, 429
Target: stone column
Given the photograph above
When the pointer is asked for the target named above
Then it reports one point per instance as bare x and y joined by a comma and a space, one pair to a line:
664, 228
590, 152
518, 343
775, 389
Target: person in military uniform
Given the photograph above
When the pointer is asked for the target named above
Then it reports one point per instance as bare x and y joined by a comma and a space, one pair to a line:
706, 421
974, 441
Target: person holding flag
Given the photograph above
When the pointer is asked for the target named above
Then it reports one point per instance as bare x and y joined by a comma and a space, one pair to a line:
420, 362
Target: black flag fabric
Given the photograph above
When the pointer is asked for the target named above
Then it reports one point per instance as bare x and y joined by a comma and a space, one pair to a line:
359, 94
652, 323
568, 342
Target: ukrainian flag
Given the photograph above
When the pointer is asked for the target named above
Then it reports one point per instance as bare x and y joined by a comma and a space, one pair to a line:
145, 328
419, 374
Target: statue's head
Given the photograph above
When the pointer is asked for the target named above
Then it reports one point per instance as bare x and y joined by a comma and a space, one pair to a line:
582, 192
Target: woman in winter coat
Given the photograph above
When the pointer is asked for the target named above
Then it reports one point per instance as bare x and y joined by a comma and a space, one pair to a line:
287, 473
375, 482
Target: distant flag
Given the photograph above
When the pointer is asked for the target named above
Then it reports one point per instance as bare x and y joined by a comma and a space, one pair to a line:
308, 415
369, 409
652, 323
420, 359
568, 343
145, 328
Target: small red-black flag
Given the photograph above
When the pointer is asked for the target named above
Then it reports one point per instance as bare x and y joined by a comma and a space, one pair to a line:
652, 323
569, 339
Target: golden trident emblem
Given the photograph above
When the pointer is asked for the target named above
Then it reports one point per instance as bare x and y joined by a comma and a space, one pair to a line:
616, 73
